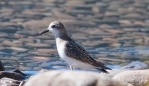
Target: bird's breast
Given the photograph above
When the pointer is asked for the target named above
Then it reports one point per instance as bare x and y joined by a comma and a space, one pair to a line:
61, 48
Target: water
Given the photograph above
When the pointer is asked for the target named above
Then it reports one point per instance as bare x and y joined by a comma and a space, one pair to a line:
114, 32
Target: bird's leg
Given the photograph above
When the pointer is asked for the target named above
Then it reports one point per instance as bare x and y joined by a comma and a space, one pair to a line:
72, 68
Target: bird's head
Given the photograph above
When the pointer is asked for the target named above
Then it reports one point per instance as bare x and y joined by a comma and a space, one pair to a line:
55, 27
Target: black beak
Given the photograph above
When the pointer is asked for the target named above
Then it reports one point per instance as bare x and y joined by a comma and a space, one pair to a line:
44, 31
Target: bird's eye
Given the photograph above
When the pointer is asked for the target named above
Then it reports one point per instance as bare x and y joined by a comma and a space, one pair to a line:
53, 26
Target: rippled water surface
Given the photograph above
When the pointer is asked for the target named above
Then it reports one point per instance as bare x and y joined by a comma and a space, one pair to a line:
113, 32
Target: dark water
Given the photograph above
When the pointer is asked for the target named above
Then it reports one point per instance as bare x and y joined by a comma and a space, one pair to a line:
114, 32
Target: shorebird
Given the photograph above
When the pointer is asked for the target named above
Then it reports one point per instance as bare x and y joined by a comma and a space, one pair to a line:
70, 51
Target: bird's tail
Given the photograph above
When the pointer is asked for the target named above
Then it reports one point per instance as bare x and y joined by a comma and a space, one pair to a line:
103, 69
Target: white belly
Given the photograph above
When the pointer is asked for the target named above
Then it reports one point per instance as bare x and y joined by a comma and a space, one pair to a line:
69, 60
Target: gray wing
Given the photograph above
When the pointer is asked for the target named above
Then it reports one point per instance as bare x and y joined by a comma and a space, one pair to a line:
77, 52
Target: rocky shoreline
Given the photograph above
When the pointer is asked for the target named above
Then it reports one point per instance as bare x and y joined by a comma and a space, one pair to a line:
130, 75
114, 32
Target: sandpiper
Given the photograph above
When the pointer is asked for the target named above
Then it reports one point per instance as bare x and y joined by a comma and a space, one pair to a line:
70, 51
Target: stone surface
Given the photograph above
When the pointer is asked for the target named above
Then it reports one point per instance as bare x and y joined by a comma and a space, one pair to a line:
136, 65
135, 77
9, 82
78, 78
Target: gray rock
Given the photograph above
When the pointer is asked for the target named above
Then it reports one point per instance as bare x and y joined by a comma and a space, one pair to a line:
72, 78
135, 77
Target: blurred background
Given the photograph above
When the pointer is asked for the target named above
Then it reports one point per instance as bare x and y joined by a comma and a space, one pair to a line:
115, 32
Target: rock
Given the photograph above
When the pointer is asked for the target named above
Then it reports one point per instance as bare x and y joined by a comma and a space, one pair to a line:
72, 78
12, 75
1, 67
135, 77
136, 65
147, 83
18, 71
9, 82
113, 72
